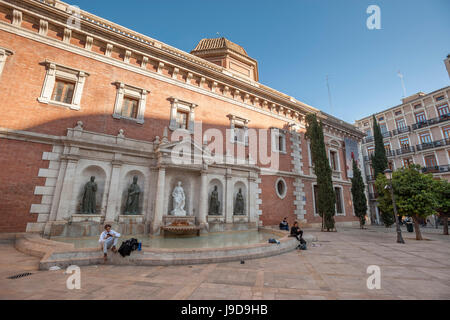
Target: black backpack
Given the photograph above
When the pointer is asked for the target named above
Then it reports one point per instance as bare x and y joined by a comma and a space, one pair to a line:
127, 246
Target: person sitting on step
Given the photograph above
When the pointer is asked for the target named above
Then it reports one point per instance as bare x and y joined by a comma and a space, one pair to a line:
298, 233
284, 224
108, 239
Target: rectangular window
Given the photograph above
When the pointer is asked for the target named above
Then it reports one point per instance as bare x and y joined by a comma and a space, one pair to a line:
404, 143
316, 196
400, 123
420, 117
407, 162
182, 119
387, 147
380, 118
430, 161
369, 132
339, 207
446, 132
425, 138
334, 160
440, 98
417, 106
443, 110
63, 91
366, 124
239, 133
370, 151
130, 107
397, 113
383, 128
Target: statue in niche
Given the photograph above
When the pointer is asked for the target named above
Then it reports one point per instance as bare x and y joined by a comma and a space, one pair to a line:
214, 203
88, 206
132, 204
179, 200
239, 205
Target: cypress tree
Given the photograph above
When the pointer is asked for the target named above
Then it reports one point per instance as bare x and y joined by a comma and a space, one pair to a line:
326, 202
379, 158
359, 197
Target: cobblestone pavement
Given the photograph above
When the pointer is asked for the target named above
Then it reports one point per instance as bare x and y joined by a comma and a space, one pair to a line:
333, 268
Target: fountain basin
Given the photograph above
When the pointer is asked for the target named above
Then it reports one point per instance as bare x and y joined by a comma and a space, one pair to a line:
55, 253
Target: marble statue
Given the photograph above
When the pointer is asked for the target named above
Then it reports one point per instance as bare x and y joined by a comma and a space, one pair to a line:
214, 203
88, 205
239, 205
179, 200
132, 204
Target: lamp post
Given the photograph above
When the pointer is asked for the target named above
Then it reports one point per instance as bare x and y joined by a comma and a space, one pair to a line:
388, 174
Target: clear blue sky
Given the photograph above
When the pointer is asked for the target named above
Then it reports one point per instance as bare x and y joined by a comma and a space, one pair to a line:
298, 42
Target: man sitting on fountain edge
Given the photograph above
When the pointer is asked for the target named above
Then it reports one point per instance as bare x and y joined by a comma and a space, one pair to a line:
107, 239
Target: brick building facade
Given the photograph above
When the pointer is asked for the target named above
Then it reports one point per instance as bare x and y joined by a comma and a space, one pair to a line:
97, 99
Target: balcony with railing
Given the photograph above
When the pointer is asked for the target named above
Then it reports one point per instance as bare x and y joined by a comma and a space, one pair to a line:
404, 150
437, 169
373, 196
368, 139
430, 122
401, 130
433, 144
370, 178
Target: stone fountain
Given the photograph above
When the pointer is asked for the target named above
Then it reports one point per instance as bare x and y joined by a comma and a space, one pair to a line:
178, 222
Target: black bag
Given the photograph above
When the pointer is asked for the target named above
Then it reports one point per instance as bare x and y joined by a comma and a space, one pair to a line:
127, 246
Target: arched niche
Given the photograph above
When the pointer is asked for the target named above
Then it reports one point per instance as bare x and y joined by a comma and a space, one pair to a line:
187, 184
240, 185
85, 176
125, 183
220, 190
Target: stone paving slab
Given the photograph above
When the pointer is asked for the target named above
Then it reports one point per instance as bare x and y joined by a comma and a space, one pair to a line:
334, 268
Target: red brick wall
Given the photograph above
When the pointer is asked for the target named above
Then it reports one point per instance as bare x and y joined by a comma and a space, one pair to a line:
19, 167
273, 208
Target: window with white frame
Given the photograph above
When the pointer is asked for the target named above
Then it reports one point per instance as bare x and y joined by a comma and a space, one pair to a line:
334, 160
130, 102
182, 115
4, 54
239, 129
278, 140
63, 86
339, 201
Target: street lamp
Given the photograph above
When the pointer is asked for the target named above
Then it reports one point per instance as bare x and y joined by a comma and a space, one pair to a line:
388, 174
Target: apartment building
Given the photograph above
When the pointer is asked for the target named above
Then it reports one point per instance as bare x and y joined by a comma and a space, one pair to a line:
415, 132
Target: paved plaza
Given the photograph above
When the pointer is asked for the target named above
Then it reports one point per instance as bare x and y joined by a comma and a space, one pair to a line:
335, 267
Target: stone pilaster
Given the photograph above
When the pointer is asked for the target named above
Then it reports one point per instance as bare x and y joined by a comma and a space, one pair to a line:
299, 193
159, 203
114, 196
203, 205
229, 197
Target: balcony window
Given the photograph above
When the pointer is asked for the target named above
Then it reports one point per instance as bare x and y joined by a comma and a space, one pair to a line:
425, 138
401, 124
370, 151
387, 147
420, 117
430, 161
182, 119
404, 143
446, 132
443, 110
383, 128
182, 115
407, 162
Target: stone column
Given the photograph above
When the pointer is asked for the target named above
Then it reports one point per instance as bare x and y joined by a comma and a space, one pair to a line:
229, 197
159, 203
114, 196
203, 205
67, 192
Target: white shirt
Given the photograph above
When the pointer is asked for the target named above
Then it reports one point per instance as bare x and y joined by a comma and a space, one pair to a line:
111, 232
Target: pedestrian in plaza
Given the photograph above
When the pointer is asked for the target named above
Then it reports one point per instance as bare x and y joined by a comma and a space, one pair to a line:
108, 239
